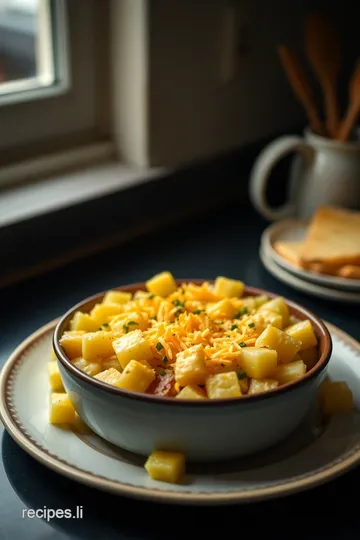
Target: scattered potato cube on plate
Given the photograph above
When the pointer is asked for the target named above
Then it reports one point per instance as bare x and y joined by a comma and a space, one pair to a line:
226, 287
290, 372
116, 297
97, 345
258, 386
285, 345
101, 313
259, 363
310, 357
335, 398
90, 368
161, 284
83, 321
110, 376
190, 367
191, 392
223, 385
166, 466
136, 377
222, 309
61, 409
55, 380
71, 342
304, 332
278, 305
132, 346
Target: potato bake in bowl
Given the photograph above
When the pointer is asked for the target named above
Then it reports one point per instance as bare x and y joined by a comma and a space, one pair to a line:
213, 369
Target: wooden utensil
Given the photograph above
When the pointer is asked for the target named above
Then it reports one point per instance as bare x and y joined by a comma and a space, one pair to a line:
301, 87
354, 105
322, 44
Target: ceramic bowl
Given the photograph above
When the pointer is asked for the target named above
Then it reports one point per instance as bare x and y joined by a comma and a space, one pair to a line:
211, 430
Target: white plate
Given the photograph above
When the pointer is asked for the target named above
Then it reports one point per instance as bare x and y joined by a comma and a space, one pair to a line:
306, 286
293, 230
315, 453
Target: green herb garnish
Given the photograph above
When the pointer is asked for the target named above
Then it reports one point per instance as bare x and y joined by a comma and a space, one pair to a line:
243, 311
127, 325
164, 360
151, 296
162, 373
154, 318
178, 303
242, 344
251, 325
241, 375
198, 311
234, 327
159, 346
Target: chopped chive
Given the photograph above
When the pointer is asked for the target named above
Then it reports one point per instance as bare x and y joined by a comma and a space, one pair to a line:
106, 324
251, 325
234, 327
242, 344
164, 360
154, 318
198, 311
151, 296
159, 346
243, 311
241, 375
132, 322
162, 373
177, 303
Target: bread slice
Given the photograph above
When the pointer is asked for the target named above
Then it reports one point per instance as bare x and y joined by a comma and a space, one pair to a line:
289, 251
333, 238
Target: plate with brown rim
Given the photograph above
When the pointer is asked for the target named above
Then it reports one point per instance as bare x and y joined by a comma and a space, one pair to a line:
317, 452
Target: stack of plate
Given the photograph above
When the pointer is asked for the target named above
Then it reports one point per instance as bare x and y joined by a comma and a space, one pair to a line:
320, 285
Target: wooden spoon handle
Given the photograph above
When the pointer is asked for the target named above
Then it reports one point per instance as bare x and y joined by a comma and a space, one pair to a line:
349, 121
301, 87
332, 110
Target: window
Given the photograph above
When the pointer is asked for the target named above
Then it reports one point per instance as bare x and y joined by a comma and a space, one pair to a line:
54, 87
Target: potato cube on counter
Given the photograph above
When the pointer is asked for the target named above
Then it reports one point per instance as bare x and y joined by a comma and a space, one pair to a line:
83, 321
97, 345
55, 380
278, 305
132, 346
190, 367
161, 284
61, 409
290, 372
101, 313
259, 363
166, 466
223, 308
285, 345
226, 287
191, 392
335, 398
90, 368
223, 385
136, 377
258, 386
117, 297
71, 342
304, 332
310, 357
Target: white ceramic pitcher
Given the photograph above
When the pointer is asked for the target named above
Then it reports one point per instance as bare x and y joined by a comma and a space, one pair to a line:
325, 172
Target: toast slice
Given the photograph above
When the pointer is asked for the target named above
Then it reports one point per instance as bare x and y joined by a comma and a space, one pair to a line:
289, 251
333, 238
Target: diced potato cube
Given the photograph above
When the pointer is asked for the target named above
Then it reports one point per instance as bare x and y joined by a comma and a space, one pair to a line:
90, 368
273, 318
223, 309
83, 321
111, 362
103, 313
127, 322
285, 345
256, 386
161, 284
190, 366
61, 409
290, 372
335, 398
304, 332
260, 300
259, 363
117, 297
136, 377
55, 381
72, 343
191, 392
223, 385
249, 302
97, 345
310, 357
132, 346
278, 305
110, 376
166, 466
293, 319
228, 288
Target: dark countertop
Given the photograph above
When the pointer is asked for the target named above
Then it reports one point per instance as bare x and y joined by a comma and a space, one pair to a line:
224, 242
